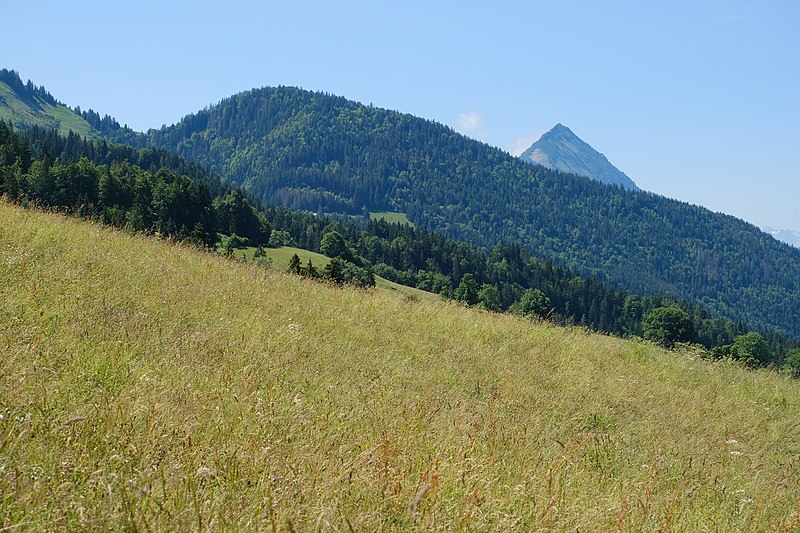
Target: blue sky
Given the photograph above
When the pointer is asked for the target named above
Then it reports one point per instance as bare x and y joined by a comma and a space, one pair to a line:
695, 100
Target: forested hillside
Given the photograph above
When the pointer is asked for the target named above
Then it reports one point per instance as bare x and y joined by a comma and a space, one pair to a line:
143, 190
324, 153
182, 201
26, 105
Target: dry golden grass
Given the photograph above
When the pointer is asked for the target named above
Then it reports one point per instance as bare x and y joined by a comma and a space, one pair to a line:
147, 386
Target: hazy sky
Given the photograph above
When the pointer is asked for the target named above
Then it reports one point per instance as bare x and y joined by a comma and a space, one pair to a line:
696, 100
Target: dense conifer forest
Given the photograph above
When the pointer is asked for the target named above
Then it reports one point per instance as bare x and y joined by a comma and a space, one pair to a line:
142, 190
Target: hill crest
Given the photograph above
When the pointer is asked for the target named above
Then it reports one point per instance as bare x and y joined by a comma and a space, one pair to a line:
25, 105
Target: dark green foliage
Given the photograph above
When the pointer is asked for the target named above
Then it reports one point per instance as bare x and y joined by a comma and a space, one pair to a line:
666, 326
751, 348
294, 265
311, 271
233, 242
533, 303
489, 298
105, 182
358, 276
340, 271
235, 214
334, 245
467, 290
281, 238
792, 362
27, 91
322, 153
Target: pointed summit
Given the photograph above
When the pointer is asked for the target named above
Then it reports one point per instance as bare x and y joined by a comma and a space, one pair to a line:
561, 149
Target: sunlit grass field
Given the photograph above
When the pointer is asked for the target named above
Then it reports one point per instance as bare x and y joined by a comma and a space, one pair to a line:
148, 387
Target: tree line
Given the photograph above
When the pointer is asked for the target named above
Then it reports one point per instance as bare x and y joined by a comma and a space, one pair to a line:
109, 183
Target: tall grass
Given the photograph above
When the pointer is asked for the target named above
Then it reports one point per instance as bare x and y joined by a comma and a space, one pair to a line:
146, 386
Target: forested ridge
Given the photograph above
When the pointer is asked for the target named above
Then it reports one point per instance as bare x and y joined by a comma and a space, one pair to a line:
323, 153
26, 91
151, 190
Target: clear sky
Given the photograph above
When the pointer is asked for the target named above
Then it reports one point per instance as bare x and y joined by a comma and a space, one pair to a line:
695, 100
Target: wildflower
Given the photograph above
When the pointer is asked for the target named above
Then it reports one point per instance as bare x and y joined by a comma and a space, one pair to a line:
736, 453
731, 441
204, 471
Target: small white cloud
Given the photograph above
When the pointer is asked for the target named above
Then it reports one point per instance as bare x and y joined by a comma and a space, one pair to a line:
469, 122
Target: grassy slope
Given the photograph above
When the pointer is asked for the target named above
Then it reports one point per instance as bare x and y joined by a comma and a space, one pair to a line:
49, 116
391, 217
144, 385
282, 255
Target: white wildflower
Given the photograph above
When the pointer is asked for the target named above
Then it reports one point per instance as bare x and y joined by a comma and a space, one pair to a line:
204, 471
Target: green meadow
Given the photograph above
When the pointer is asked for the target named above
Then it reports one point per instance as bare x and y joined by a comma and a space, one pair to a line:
58, 117
281, 256
391, 217
146, 386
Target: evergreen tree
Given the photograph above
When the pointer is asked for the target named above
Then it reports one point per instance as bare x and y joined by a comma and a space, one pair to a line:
311, 270
334, 271
294, 265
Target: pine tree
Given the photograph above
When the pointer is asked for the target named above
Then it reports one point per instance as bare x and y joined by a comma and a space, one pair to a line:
294, 265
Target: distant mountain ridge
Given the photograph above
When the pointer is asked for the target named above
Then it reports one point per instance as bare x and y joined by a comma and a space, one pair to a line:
788, 236
560, 149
